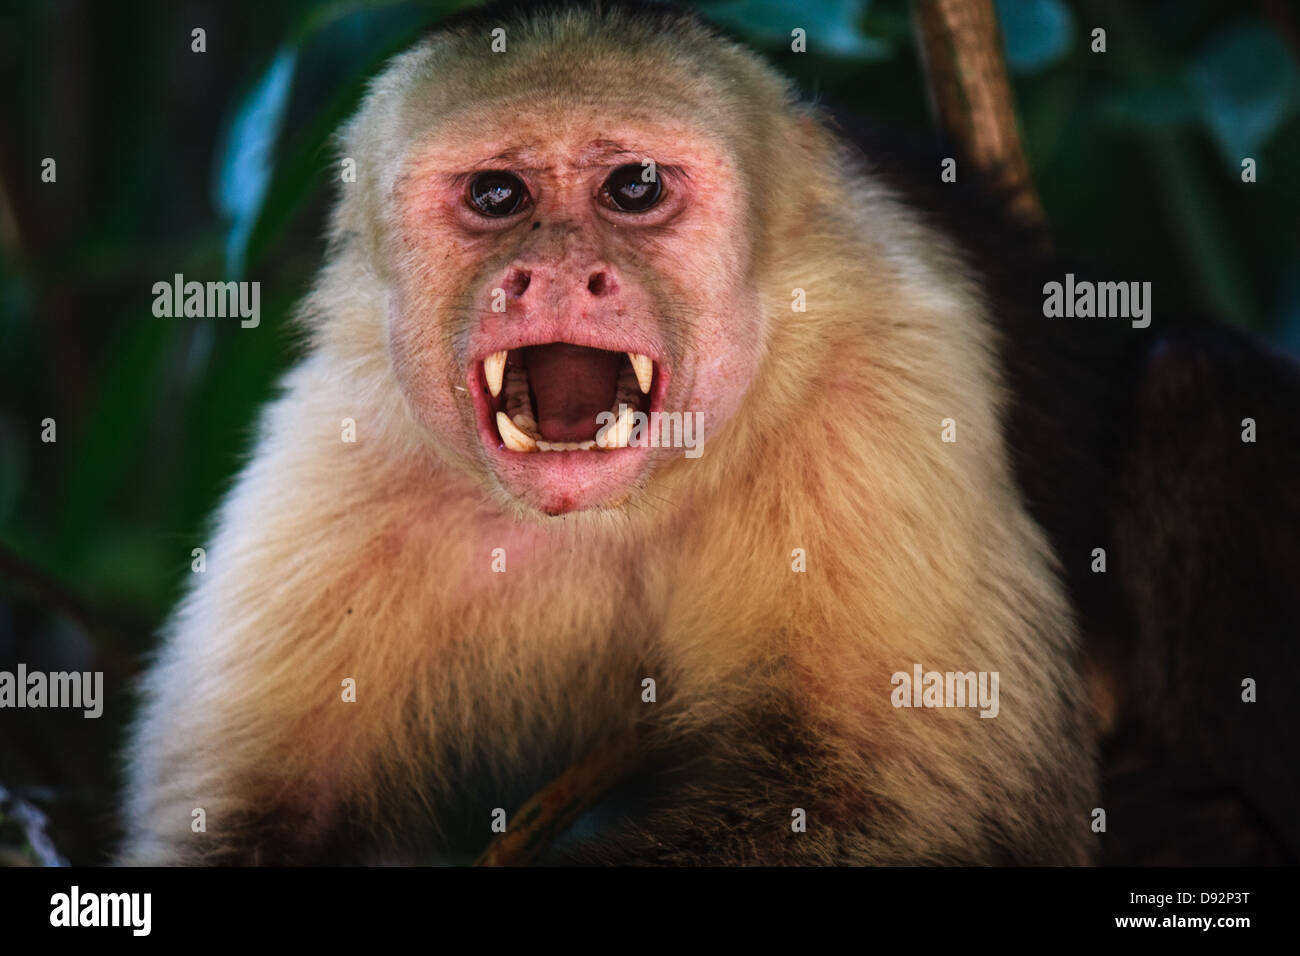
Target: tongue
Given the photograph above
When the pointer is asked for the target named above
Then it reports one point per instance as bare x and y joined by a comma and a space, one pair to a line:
571, 386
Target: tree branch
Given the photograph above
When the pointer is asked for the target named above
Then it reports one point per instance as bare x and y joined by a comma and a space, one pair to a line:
970, 93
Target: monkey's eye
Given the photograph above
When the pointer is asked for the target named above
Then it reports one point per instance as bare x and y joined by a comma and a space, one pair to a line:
497, 194
627, 188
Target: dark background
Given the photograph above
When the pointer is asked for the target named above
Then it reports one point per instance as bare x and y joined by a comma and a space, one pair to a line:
217, 165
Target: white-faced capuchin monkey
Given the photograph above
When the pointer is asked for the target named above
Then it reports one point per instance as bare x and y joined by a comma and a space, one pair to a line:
636, 396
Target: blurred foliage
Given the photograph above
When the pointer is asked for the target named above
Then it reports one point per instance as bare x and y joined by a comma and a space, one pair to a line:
218, 164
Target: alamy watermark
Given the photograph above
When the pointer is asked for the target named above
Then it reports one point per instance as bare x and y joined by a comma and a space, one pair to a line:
636, 429
76, 689
1085, 300
208, 300
129, 910
946, 689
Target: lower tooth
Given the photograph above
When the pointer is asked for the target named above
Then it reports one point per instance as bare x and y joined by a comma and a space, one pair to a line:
526, 424
617, 434
541, 444
512, 436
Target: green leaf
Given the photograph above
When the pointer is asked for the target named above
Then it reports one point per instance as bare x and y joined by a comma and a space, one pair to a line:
249, 173
347, 42
1245, 83
1037, 33
244, 171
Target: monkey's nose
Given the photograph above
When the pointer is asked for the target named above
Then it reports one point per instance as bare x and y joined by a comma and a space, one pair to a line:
600, 284
517, 282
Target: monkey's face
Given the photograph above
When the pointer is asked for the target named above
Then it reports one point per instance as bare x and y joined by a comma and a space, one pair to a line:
571, 275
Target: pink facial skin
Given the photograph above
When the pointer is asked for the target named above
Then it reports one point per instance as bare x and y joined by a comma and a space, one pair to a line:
670, 282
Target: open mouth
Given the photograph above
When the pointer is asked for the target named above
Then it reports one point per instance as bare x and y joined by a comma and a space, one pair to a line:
560, 397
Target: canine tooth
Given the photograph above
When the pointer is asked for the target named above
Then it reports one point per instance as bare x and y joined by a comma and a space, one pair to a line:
494, 367
617, 434
623, 427
512, 436
644, 367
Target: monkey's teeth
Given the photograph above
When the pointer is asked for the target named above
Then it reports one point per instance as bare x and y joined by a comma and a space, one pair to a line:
587, 445
617, 434
525, 423
644, 367
517, 423
512, 436
494, 367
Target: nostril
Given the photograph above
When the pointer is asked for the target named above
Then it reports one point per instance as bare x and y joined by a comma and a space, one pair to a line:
598, 284
517, 282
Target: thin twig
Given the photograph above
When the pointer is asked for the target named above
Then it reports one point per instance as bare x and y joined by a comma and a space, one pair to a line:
553, 808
